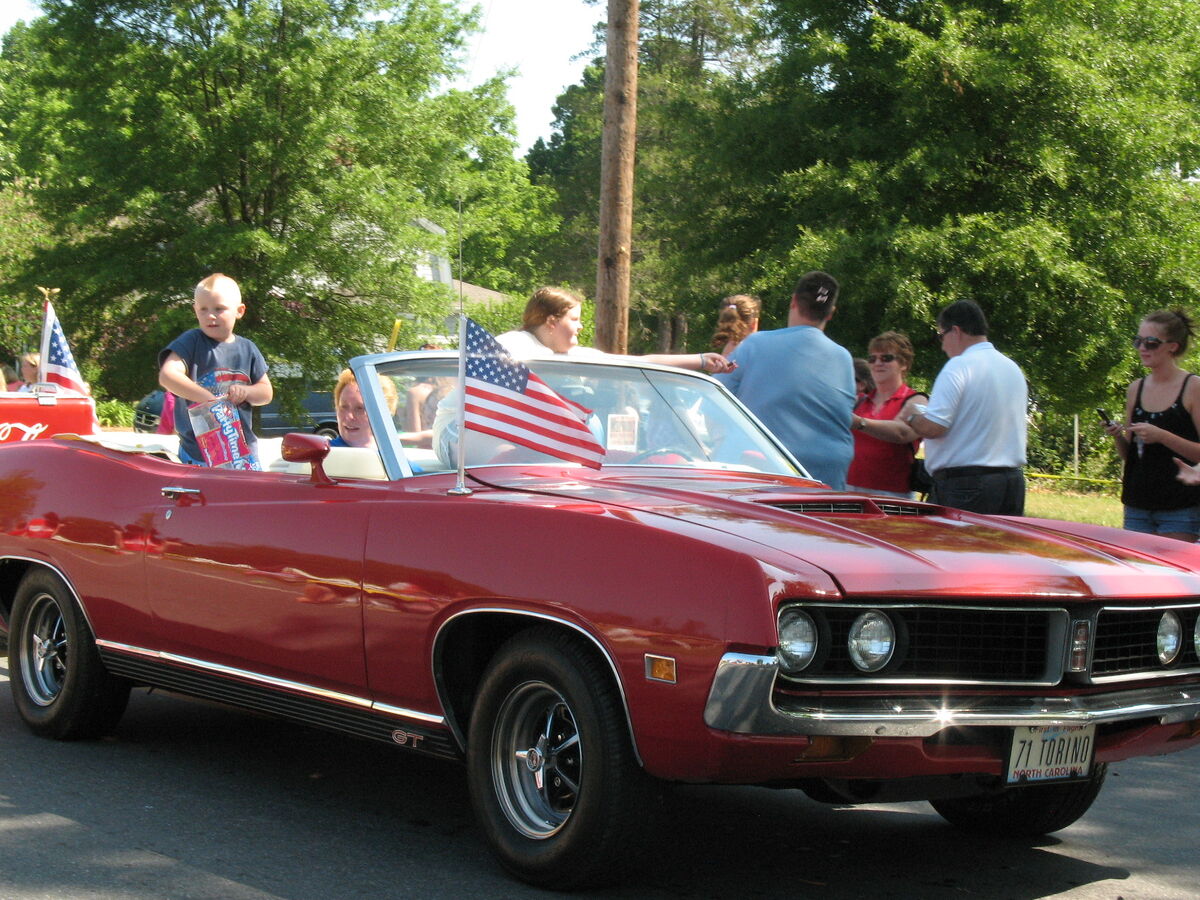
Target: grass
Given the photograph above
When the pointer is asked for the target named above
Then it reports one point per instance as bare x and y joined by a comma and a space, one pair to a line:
1099, 509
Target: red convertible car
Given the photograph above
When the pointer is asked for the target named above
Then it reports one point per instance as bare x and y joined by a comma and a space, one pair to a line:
696, 610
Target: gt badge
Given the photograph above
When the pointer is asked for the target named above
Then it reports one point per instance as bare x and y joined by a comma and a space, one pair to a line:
407, 738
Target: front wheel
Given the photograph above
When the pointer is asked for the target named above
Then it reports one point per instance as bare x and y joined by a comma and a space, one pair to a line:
553, 778
1026, 811
59, 684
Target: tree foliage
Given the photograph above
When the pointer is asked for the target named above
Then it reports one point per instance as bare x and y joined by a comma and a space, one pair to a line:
1027, 153
300, 146
24, 234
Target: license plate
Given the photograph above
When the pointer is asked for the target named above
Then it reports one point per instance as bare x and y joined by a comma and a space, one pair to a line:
1051, 753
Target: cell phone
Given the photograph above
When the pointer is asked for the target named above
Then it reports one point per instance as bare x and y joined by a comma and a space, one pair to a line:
1104, 416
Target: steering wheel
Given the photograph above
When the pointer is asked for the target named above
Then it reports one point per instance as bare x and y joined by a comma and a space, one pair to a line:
659, 451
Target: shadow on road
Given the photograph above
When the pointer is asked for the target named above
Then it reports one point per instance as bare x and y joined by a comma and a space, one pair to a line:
191, 799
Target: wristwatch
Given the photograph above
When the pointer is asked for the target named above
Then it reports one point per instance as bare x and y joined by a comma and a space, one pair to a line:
911, 416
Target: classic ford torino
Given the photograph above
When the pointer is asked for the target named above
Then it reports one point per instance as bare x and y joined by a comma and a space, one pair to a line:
696, 610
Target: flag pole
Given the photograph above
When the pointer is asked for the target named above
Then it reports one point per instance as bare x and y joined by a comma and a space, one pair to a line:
47, 313
44, 346
460, 488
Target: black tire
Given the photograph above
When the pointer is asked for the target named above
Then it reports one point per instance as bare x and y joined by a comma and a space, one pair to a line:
327, 429
553, 778
59, 684
1024, 811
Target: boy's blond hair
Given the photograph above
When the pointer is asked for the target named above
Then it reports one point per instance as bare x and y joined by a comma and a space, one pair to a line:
221, 285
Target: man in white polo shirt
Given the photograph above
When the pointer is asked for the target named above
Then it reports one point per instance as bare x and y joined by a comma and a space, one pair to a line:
975, 422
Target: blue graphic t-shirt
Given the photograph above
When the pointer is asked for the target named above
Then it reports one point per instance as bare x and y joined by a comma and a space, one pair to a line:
214, 365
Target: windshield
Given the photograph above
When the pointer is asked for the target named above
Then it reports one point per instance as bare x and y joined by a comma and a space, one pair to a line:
640, 416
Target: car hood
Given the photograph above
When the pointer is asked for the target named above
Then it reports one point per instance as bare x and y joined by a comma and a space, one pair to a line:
883, 546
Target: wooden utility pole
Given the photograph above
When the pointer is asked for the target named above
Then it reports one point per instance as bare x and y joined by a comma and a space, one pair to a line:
616, 177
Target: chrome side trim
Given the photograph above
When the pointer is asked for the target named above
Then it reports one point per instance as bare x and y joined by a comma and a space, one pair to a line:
403, 713
741, 701
307, 690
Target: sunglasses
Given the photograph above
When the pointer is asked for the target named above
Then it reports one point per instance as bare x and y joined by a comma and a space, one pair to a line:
882, 357
1150, 343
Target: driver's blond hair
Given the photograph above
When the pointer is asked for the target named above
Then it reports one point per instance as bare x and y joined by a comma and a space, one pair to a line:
386, 385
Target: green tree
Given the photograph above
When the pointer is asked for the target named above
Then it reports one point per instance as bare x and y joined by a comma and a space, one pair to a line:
1028, 153
22, 230
297, 145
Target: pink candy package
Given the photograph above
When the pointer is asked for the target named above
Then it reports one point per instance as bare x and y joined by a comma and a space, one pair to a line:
219, 434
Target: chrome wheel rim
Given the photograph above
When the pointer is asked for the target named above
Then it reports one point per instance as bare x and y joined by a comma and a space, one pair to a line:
537, 760
44, 646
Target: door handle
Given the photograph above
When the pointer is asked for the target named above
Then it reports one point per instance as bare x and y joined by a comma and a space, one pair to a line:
179, 493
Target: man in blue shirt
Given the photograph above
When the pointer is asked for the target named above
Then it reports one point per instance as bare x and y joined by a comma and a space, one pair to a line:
800, 383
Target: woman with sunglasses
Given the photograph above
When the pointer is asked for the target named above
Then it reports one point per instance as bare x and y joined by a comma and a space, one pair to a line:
1162, 410
881, 464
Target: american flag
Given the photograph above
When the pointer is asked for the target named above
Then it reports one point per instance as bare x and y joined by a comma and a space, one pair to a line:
507, 401
58, 365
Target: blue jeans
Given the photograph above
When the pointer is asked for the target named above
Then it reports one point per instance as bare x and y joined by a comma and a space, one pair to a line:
189, 460
1163, 521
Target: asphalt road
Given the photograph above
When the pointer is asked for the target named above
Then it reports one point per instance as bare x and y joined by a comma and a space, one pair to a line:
190, 800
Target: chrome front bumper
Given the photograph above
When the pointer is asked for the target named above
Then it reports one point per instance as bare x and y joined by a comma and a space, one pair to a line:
741, 701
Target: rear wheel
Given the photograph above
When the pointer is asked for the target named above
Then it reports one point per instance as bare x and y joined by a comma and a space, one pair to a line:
59, 684
1024, 811
554, 782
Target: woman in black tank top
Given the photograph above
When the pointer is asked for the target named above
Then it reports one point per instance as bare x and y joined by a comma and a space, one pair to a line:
1162, 415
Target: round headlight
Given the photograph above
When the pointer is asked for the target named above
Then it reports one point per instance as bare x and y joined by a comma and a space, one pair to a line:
872, 641
797, 639
1196, 637
1170, 638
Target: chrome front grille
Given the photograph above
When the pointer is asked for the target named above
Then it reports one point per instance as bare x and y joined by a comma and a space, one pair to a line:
948, 645
942, 643
1126, 641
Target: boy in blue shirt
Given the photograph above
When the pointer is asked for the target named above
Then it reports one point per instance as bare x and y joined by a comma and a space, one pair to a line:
211, 361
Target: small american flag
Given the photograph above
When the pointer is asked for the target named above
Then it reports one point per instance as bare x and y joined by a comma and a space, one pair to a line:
58, 365
506, 400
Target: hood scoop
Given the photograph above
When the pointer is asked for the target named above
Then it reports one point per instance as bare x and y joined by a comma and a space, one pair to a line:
873, 506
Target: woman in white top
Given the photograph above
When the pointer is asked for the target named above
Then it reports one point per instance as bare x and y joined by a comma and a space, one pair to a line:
550, 327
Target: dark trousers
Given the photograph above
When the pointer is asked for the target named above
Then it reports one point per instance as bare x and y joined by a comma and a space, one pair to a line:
981, 489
